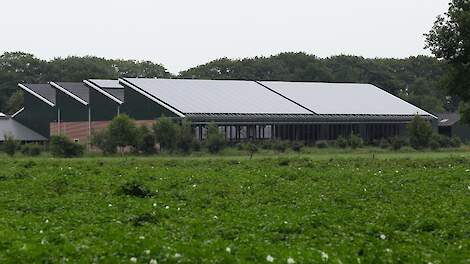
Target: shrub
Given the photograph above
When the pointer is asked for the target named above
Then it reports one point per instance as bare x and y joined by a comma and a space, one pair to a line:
61, 146
355, 141
341, 142
321, 144
135, 188
280, 146
10, 145
196, 145
456, 142
165, 133
420, 133
185, 137
434, 144
145, 140
215, 140
122, 132
251, 148
102, 140
31, 150
396, 143
297, 146
444, 141
384, 144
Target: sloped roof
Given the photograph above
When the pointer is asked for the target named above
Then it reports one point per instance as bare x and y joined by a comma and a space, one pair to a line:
214, 96
110, 88
78, 90
448, 119
45, 92
343, 98
9, 126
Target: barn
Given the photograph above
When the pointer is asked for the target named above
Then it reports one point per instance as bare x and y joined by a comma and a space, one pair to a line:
243, 110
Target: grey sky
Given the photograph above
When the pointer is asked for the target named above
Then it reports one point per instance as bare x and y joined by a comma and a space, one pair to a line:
184, 33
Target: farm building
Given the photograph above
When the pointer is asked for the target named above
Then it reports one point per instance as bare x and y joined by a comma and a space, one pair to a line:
11, 127
449, 124
243, 110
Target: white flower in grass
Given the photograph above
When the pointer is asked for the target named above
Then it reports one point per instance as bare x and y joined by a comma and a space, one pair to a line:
167, 207
228, 250
147, 252
47, 221
40, 231
467, 170
110, 205
215, 217
269, 258
383, 237
323, 256
290, 260
141, 237
153, 261
194, 185
177, 255
154, 204
133, 260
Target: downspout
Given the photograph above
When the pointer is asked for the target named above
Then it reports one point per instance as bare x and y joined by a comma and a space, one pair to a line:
89, 127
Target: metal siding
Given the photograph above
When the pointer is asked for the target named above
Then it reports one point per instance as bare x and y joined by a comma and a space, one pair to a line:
140, 107
102, 107
71, 109
36, 115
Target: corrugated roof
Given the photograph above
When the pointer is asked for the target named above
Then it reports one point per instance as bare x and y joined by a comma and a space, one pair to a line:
111, 88
9, 126
448, 119
216, 96
344, 98
46, 91
77, 88
108, 84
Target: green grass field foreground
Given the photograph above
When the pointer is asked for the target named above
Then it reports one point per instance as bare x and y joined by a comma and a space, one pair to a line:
384, 208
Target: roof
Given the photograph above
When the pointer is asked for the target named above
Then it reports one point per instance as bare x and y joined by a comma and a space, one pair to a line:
9, 126
448, 119
214, 96
343, 98
78, 90
44, 92
110, 88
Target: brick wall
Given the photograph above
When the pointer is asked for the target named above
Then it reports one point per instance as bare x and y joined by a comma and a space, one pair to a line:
81, 130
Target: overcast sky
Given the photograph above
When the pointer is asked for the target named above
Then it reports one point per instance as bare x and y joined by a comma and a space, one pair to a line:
184, 33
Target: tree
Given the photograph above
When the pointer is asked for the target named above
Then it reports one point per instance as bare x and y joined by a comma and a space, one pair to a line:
185, 137
61, 146
165, 133
10, 145
145, 140
420, 132
215, 140
102, 140
122, 132
449, 39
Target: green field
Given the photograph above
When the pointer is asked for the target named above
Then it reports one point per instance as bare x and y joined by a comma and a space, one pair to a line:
311, 208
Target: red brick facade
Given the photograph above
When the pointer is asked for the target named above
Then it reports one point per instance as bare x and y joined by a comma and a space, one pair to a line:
81, 131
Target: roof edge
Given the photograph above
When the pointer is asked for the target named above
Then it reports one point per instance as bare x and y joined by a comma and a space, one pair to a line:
55, 85
91, 84
24, 87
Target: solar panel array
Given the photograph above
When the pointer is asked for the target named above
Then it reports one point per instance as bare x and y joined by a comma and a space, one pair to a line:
217, 96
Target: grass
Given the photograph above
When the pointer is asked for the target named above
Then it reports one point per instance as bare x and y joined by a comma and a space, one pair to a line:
323, 207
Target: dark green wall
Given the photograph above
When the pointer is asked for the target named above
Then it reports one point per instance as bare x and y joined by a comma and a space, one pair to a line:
139, 107
71, 110
102, 107
37, 115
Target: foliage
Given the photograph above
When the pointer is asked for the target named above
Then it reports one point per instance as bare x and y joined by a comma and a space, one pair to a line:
353, 210
63, 147
185, 137
122, 131
342, 142
215, 140
449, 40
10, 145
396, 143
102, 140
355, 141
135, 188
31, 150
250, 147
434, 144
165, 133
321, 144
456, 142
280, 146
419, 132
145, 142
297, 146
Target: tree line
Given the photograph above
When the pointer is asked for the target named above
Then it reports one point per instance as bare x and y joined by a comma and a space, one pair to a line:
415, 79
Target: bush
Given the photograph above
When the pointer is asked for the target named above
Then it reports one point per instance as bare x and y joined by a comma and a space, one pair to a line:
251, 148
280, 146
321, 144
296, 146
341, 142
444, 141
396, 143
355, 141
184, 137
10, 145
31, 150
456, 142
434, 144
420, 133
61, 146
122, 132
145, 140
215, 140
165, 133
383, 143
102, 140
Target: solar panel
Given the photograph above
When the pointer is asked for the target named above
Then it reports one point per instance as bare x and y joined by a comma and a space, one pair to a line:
217, 96
344, 98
